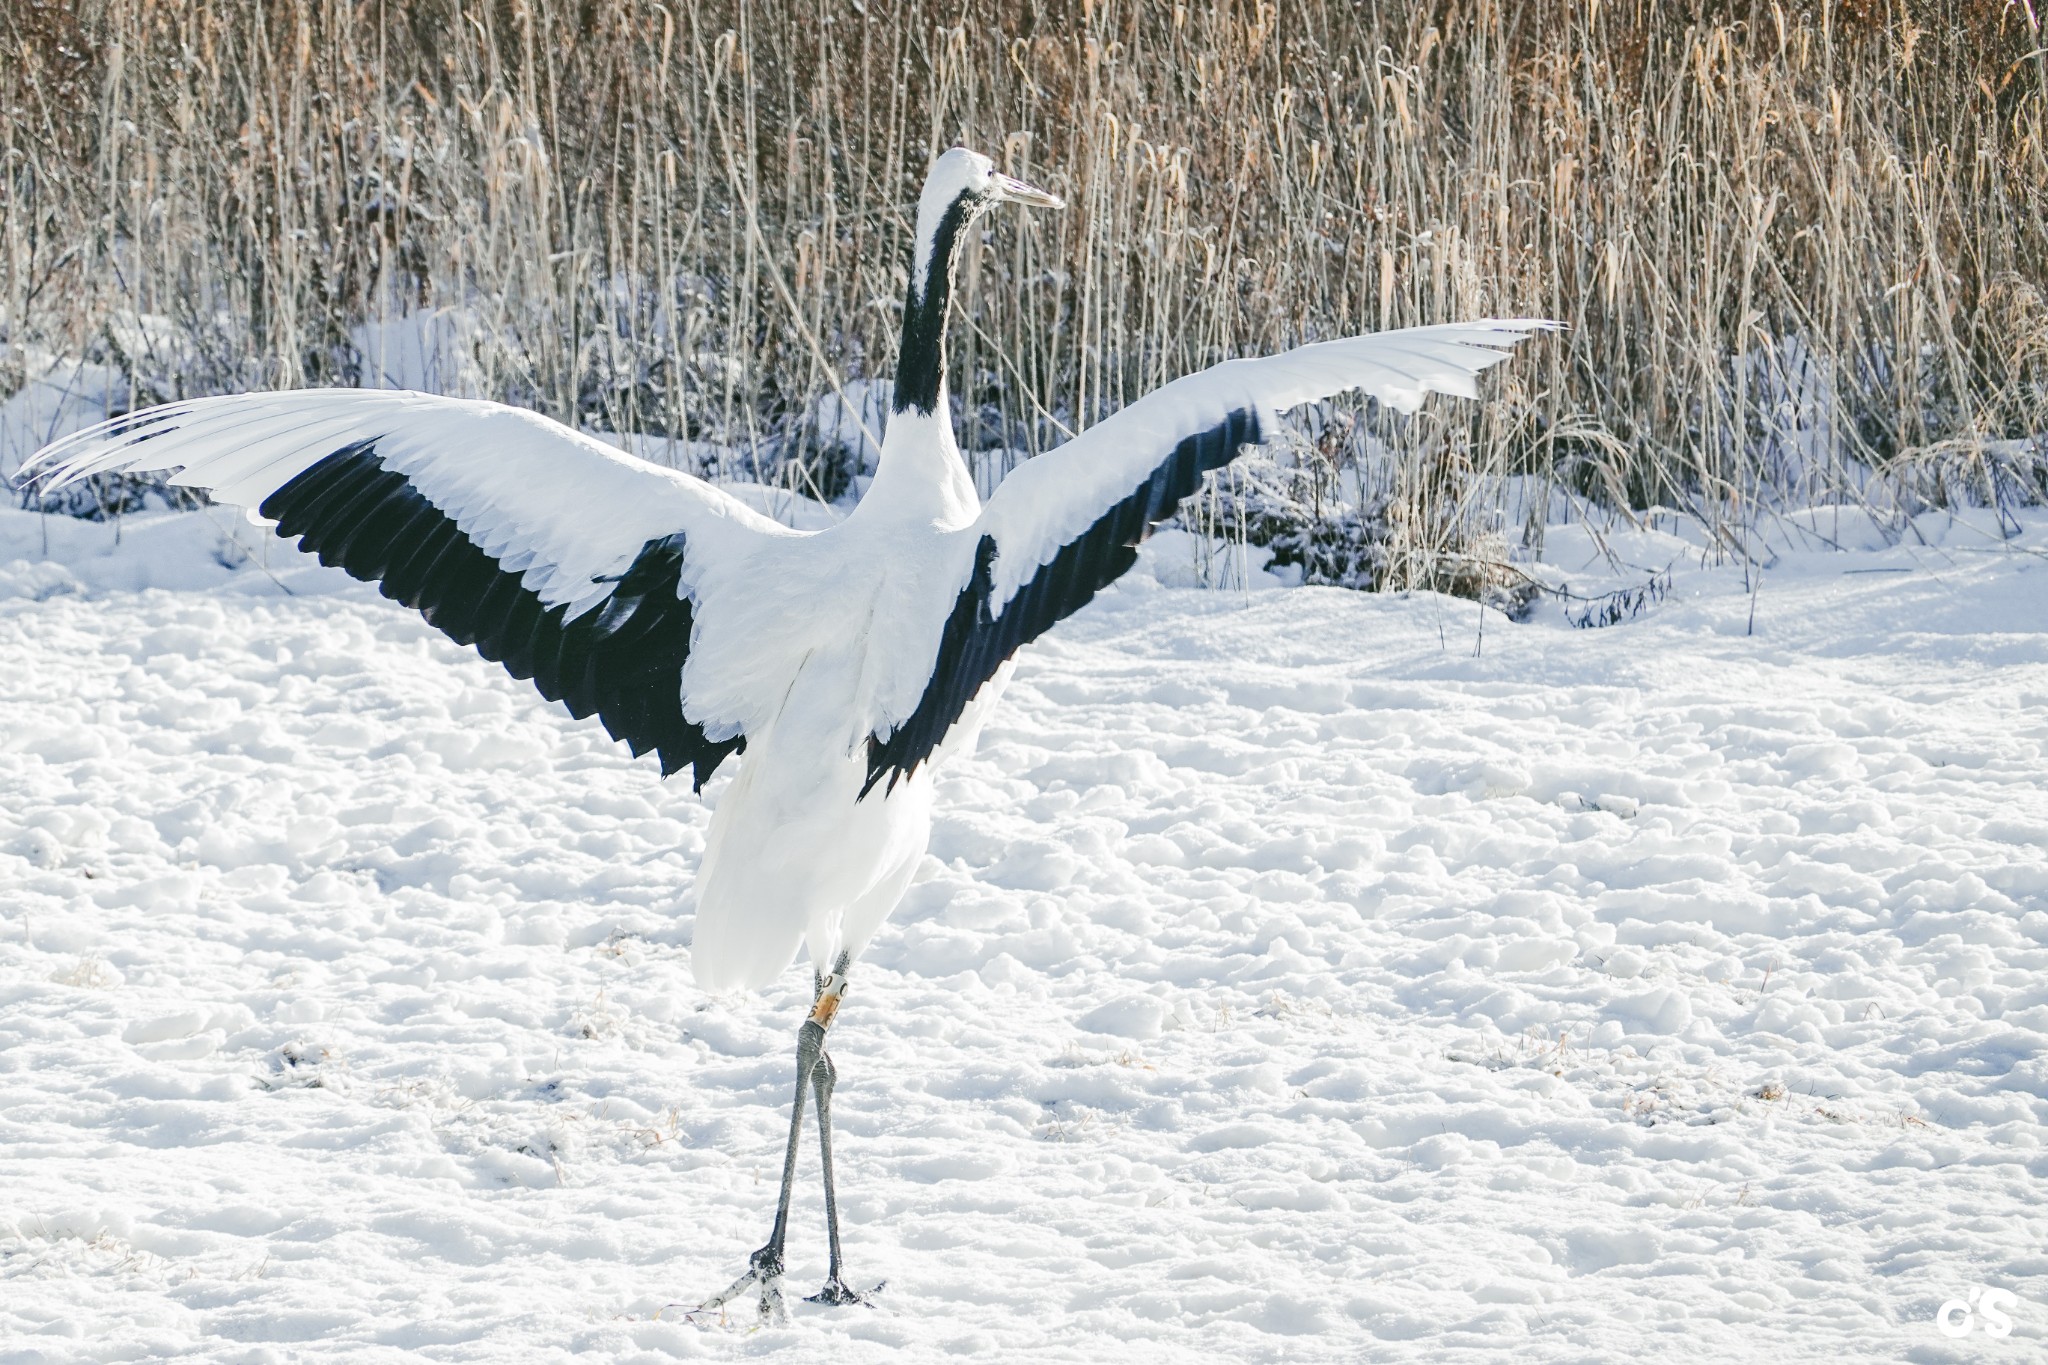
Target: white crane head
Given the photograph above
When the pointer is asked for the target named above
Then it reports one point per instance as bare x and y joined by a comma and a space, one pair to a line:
960, 186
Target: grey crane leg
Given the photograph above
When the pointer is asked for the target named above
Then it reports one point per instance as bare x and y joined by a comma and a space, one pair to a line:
813, 1070
764, 1267
823, 1077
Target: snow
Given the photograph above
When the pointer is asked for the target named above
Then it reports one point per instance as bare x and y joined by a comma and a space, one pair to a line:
1295, 976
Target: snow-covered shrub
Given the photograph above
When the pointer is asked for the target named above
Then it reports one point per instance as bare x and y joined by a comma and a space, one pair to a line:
2001, 475
837, 441
1336, 510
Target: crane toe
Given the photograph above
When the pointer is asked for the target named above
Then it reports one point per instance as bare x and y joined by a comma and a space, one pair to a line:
762, 1283
835, 1294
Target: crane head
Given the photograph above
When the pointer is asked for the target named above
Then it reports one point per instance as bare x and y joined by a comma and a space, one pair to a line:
960, 187
970, 179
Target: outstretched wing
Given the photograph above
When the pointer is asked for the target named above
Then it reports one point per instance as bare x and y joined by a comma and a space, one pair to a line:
1065, 525
548, 551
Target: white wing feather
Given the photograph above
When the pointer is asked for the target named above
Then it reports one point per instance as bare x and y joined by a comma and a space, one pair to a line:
564, 511
1047, 502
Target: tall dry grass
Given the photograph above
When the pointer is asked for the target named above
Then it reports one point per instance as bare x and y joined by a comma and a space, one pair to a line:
1800, 245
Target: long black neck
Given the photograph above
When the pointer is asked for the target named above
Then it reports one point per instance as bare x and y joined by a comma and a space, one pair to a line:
921, 361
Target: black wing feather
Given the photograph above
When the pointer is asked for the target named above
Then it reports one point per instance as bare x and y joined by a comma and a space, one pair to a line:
622, 661
975, 643
409, 566
313, 487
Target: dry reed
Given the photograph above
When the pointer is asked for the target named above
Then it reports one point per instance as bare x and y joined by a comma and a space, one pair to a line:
1800, 246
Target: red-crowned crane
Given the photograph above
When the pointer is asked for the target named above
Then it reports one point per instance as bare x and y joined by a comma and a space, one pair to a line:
845, 663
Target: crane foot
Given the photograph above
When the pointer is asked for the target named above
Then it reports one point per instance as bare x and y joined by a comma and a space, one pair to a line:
762, 1282
835, 1294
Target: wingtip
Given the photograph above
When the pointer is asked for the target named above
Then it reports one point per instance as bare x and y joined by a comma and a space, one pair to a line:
96, 449
47, 471
1522, 328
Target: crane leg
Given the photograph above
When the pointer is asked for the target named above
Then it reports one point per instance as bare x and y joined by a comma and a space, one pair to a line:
763, 1279
823, 1077
814, 1071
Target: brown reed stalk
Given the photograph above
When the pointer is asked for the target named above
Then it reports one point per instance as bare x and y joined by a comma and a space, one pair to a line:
1796, 241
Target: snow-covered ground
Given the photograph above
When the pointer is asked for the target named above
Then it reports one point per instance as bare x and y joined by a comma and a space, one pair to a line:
1296, 976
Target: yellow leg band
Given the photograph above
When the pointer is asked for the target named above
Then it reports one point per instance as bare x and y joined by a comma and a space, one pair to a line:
828, 1000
